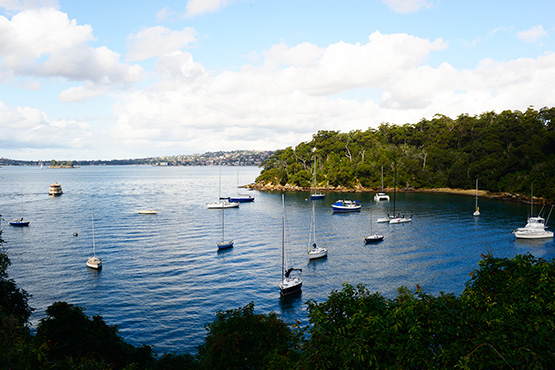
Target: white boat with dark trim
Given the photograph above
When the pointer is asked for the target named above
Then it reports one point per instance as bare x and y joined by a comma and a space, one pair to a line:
289, 284
224, 244
477, 211
224, 203
346, 206
373, 237
314, 251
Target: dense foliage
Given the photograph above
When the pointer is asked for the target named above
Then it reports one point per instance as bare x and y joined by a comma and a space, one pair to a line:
504, 319
506, 152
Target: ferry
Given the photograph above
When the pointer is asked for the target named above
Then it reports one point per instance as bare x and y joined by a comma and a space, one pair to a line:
55, 189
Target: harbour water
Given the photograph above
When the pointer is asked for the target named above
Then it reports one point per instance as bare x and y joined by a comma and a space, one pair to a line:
164, 279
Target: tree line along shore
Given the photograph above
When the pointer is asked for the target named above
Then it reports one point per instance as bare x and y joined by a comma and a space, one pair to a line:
507, 152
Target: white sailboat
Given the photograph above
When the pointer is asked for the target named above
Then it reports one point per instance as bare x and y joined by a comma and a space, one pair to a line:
148, 211
224, 244
222, 202
19, 221
536, 227
94, 262
314, 251
315, 194
477, 212
289, 284
395, 219
381, 196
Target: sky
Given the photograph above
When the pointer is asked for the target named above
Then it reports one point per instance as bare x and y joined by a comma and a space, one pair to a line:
132, 79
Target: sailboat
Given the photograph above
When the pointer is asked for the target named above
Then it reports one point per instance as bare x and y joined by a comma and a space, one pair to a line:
395, 219
148, 211
381, 196
240, 198
19, 221
222, 202
94, 262
314, 194
289, 284
477, 212
314, 251
224, 244
372, 238
536, 226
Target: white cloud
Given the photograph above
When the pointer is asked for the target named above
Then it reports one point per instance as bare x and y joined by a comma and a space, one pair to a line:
199, 7
407, 6
26, 127
19, 5
155, 41
46, 43
532, 35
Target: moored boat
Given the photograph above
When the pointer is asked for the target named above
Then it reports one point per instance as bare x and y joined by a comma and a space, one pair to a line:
346, 206
55, 189
19, 222
314, 251
289, 284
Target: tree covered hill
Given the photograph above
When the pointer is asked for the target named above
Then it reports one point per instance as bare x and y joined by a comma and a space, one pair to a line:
507, 152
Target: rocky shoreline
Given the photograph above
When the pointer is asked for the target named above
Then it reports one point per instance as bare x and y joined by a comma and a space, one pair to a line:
360, 189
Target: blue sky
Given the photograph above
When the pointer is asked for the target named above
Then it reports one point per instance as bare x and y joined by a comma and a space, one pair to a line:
129, 79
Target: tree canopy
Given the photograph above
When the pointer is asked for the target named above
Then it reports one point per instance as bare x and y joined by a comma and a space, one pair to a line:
506, 152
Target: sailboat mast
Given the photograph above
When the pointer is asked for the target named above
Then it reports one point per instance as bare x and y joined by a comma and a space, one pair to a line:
395, 189
223, 228
92, 221
283, 238
382, 178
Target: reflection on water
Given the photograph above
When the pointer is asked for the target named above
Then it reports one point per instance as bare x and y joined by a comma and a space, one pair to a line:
164, 278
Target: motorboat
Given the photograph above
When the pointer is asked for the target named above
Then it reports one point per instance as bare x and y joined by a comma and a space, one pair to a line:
381, 197
314, 251
534, 229
19, 222
94, 262
55, 189
536, 226
289, 284
346, 206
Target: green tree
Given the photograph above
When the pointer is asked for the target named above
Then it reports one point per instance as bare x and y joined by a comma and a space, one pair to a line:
241, 339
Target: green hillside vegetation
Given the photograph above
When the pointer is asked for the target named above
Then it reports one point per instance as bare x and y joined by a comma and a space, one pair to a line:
504, 319
506, 152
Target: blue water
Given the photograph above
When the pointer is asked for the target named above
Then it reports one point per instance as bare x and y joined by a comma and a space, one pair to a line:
163, 277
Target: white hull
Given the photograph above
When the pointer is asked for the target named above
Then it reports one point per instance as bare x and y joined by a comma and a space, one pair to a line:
223, 204
317, 252
533, 235
94, 263
384, 220
400, 220
381, 197
148, 212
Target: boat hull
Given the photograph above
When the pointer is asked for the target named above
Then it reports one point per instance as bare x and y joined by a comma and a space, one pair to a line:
346, 206
317, 196
225, 245
316, 253
94, 263
400, 220
373, 238
148, 212
20, 224
245, 199
220, 205
533, 235
290, 286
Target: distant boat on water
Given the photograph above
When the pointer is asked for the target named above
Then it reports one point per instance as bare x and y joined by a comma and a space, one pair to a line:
314, 251
289, 284
55, 189
477, 212
314, 195
94, 262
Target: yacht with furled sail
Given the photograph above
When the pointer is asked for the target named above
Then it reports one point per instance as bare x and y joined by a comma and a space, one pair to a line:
477, 211
94, 262
381, 196
314, 251
291, 278
315, 194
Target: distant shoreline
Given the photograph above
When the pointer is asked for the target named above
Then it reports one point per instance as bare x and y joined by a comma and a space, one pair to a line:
469, 192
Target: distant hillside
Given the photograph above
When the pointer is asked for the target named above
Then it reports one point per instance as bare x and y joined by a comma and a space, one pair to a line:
233, 158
